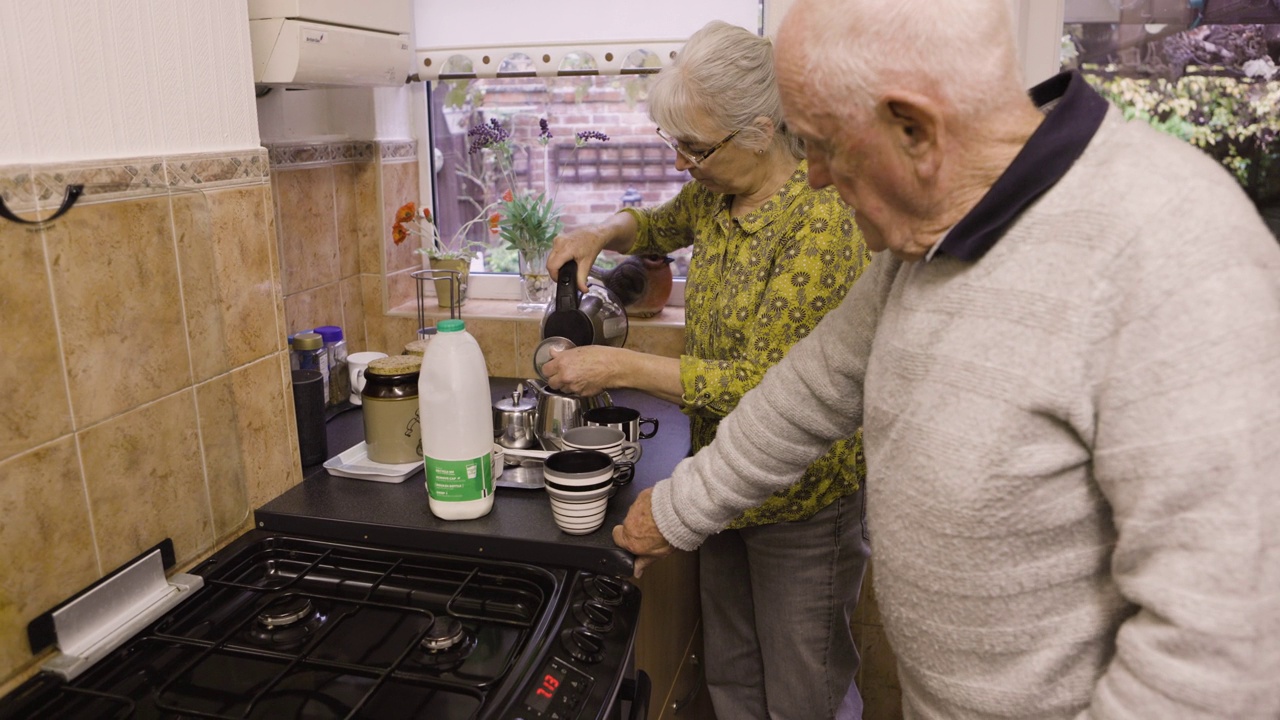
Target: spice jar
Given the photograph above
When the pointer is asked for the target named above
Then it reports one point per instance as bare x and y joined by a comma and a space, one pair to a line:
392, 431
308, 348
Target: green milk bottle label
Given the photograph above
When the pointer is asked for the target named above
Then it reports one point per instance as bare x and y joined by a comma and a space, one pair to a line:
459, 480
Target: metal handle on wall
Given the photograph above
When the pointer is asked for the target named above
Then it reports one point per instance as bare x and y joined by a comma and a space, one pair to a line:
69, 198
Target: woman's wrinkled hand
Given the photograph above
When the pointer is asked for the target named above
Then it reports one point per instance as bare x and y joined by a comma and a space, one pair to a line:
581, 244
583, 371
639, 534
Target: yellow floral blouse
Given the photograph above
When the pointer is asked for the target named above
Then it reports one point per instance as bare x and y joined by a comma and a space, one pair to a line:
756, 285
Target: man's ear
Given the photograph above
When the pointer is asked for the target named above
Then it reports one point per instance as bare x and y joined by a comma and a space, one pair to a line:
915, 124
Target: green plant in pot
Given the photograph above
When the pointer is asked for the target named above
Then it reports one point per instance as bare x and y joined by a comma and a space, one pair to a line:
452, 260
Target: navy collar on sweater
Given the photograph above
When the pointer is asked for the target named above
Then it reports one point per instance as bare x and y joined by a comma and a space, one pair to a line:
1074, 113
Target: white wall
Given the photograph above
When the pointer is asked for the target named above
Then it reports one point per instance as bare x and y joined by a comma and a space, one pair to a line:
333, 114
94, 79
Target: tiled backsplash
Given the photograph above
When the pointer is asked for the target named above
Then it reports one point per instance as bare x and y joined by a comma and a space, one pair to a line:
145, 357
145, 372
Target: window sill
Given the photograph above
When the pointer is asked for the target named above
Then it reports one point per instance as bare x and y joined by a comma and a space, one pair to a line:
508, 337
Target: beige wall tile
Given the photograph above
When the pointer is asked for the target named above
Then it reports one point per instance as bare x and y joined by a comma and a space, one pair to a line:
353, 314
245, 428
662, 340
115, 278
369, 223
397, 331
312, 308
399, 186
146, 481
307, 228
497, 339
402, 290
48, 547
228, 286
528, 335
270, 212
375, 328
36, 405
346, 205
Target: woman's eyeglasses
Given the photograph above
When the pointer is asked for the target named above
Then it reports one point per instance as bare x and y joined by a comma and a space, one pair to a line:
696, 159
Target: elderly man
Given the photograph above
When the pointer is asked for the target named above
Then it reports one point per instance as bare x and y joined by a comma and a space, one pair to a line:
1067, 369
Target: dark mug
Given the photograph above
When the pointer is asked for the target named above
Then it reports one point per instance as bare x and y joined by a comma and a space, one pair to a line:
626, 419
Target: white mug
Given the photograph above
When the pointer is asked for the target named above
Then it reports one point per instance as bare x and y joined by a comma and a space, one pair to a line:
357, 363
609, 440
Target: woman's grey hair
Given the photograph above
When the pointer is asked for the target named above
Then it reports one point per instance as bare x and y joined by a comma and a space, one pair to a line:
723, 74
962, 52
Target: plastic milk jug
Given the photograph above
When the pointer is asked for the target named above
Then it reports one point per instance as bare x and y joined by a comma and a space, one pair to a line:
457, 424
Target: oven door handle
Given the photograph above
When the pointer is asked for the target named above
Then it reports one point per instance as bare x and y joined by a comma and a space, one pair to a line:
637, 693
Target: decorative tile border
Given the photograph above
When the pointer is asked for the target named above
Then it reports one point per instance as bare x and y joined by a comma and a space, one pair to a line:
196, 171
18, 188
398, 150
103, 180
41, 188
305, 155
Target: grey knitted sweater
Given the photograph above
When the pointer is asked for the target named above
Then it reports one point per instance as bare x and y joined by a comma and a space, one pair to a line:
1073, 449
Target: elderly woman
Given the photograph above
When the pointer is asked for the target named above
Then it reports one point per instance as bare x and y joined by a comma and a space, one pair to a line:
770, 257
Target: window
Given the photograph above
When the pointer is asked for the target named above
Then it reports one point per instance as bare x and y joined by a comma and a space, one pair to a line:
588, 183
1207, 76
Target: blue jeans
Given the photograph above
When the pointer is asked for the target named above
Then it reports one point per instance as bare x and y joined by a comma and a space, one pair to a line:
776, 605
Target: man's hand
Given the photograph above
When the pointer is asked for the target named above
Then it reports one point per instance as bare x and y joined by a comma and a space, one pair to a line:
639, 535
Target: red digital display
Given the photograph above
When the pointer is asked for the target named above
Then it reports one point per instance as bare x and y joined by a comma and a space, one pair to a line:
546, 692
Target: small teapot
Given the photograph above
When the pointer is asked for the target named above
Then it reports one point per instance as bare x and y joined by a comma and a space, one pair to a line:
591, 318
558, 411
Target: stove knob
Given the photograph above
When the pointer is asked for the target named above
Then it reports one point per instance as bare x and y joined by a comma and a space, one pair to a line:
606, 589
594, 615
583, 645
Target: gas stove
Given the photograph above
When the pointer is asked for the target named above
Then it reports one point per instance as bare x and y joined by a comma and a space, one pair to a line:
296, 627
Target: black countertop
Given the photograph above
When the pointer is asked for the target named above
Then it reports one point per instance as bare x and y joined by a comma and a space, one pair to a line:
519, 528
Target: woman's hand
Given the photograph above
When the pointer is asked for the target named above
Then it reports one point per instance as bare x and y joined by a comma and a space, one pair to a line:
580, 244
617, 233
583, 371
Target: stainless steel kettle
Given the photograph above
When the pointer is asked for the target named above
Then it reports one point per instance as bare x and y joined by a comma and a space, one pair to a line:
591, 318
558, 411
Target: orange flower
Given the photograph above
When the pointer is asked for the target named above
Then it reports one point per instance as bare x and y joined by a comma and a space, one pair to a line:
398, 233
494, 219
406, 212
507, 196
426, 214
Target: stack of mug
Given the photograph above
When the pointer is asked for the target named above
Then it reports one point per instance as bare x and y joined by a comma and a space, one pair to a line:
598, 458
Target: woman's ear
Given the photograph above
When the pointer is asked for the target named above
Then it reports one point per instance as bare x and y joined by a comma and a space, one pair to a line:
766, 128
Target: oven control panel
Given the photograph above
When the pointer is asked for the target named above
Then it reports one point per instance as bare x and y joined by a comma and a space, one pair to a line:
559, 695
591, 651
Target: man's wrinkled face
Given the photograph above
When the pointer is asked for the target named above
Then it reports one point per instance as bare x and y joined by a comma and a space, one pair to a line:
852, 149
